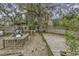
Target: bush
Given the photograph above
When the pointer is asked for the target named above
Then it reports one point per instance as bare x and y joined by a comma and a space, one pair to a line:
71, 41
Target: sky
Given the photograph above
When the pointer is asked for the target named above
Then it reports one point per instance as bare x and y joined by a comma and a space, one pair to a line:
58, 9
12, 9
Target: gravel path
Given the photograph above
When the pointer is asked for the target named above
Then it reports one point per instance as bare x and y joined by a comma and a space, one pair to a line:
35, 46
56, 43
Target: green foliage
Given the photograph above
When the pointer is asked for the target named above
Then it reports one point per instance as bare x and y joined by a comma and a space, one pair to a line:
55, 22
69, 22
71, 41
37, 12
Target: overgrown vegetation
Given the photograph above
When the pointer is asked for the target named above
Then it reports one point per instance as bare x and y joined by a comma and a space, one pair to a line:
71, 42
71, 24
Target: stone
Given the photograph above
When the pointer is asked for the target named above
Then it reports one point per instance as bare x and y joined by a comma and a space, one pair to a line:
1, 33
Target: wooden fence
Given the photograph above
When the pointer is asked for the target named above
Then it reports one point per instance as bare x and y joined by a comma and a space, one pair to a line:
15, 42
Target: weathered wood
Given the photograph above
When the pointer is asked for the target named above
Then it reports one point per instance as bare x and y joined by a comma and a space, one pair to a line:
15, 42
3, 43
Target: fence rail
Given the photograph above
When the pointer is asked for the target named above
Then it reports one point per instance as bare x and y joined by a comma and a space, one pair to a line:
13, 42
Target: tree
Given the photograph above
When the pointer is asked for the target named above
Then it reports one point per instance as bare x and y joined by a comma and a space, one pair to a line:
69, 22
12, 14
37, 11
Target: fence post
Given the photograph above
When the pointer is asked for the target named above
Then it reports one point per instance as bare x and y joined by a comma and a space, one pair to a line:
3, 43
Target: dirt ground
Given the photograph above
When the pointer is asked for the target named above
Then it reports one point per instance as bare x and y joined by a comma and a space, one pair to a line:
33, 47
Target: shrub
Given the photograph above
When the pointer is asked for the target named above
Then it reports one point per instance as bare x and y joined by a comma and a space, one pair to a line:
71, 41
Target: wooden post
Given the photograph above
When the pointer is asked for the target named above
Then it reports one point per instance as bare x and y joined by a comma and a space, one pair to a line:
6, 43
3, 43
13, 43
